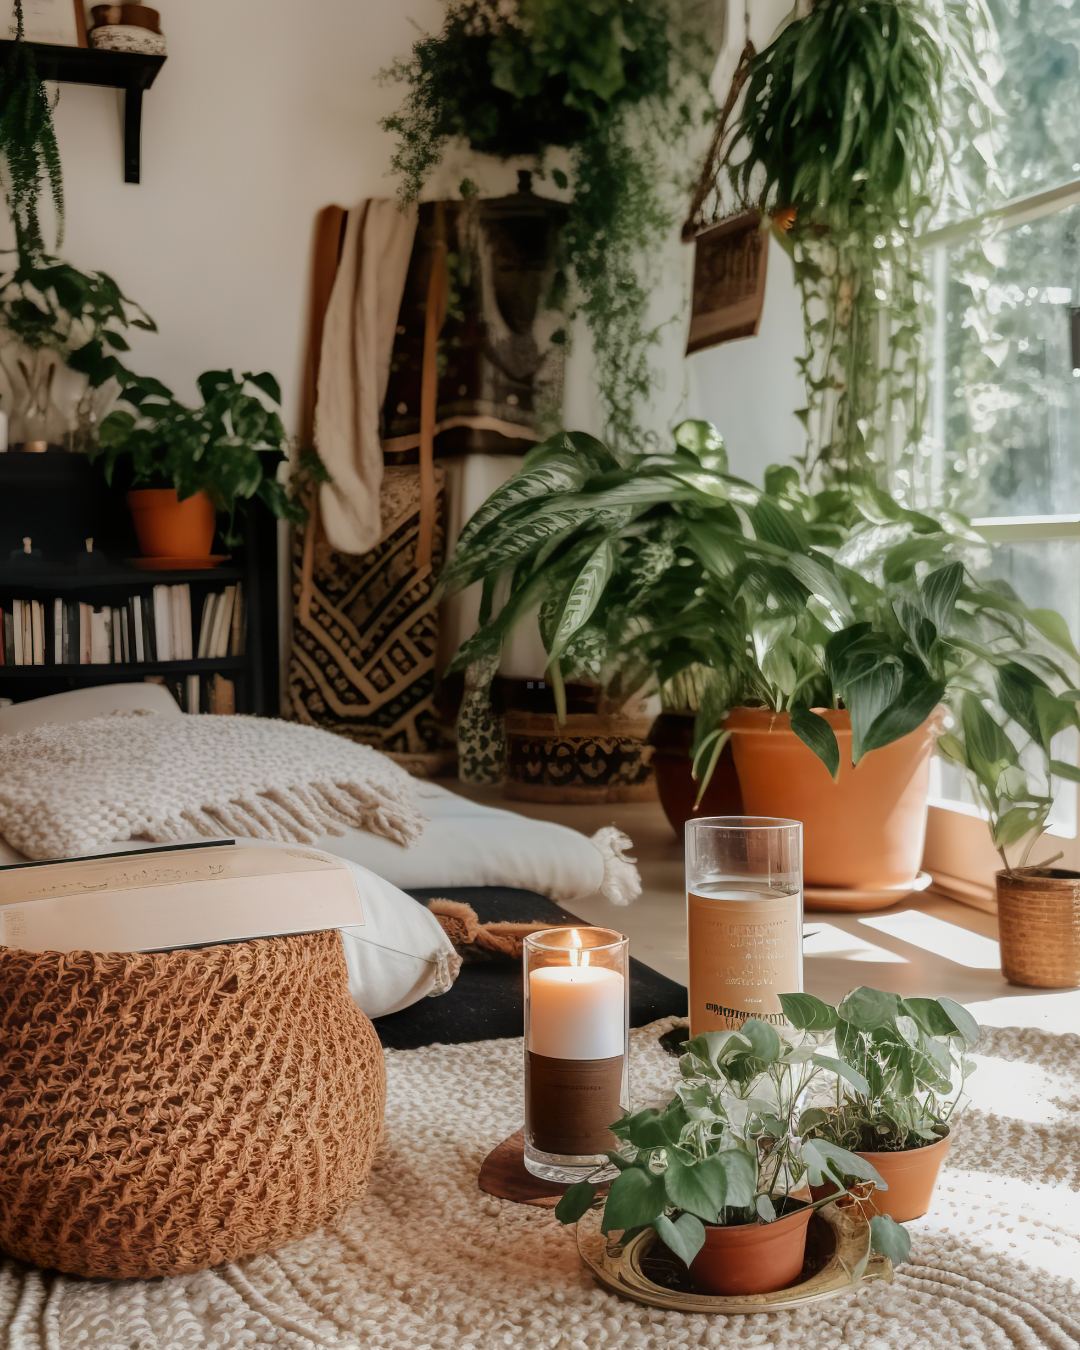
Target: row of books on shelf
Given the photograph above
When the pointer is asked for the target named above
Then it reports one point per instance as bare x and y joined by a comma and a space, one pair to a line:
144, 629
199, 693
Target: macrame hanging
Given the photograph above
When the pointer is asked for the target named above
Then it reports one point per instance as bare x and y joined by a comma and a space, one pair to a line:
731, 251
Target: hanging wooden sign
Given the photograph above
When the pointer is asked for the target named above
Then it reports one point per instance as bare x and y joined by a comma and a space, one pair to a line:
730, 260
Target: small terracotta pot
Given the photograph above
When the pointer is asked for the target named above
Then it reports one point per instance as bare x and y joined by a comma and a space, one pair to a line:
671, 737
867, 829
752, 1258
1039, 926
168, 528
911, 1177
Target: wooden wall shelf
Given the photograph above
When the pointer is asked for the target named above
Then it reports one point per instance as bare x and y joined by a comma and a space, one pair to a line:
131, 71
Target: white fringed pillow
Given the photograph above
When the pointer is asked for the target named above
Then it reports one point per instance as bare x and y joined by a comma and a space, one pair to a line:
67, 789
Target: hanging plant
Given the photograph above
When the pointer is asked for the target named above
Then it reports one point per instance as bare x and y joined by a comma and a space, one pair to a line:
845, 124
29, 155
616, 85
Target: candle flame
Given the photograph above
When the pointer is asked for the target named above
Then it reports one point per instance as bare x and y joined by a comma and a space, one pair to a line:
577, 955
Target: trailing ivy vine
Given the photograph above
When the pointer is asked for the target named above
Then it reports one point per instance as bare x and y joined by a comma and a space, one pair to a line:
28, 149
844, 124
618, 86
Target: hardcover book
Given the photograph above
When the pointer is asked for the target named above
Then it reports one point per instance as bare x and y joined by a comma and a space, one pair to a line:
185, 896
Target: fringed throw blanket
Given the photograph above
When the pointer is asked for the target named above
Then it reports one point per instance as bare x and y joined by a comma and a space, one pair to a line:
65, 789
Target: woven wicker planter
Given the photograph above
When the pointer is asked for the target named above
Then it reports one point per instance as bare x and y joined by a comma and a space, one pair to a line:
161, 1113
1039, 925
590, 757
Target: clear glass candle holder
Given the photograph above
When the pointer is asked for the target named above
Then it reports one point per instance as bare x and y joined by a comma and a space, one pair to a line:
743, 918
577, 1080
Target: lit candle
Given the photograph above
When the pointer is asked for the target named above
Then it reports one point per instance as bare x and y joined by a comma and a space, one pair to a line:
576, 1011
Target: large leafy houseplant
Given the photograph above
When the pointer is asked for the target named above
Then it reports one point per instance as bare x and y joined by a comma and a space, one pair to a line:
850, 123
615, 85
730, 1148
229, 446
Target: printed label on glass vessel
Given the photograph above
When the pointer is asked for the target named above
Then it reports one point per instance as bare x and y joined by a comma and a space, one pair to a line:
570, 1103
745, 942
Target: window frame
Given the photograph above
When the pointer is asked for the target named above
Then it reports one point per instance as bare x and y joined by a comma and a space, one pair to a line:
959, 854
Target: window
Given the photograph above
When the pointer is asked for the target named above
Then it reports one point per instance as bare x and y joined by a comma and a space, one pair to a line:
1004, 415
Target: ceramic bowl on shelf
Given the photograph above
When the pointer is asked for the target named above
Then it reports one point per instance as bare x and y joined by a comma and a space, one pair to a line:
127, 38
136, 16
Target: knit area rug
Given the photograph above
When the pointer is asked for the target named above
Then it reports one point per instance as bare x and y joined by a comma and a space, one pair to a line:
428, 1262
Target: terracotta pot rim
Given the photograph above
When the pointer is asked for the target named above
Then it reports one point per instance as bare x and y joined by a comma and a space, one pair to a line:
919, 1151
804, 1211
144, 494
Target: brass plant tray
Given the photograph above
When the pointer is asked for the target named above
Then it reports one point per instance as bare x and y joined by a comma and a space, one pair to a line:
835, 1238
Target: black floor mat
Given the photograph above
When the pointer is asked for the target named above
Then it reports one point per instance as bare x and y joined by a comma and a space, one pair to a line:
486, 1000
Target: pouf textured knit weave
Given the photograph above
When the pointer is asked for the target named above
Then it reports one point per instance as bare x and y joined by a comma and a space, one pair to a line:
165, 1112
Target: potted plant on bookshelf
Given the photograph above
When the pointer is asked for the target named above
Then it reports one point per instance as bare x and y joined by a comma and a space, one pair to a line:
899, 1108
721, 1171
607, 550
188, 465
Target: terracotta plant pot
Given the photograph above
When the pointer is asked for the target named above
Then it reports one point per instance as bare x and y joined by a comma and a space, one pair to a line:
591, 757
671, 737
168, 528
752, 1258
910, 1175
1039, 925
864, 831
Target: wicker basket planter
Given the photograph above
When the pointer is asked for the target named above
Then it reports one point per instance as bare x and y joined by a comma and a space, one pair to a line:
165, 1112
591, 757
1039, 926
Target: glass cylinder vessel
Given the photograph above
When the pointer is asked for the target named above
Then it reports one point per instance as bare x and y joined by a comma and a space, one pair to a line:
744, 918
577, 1081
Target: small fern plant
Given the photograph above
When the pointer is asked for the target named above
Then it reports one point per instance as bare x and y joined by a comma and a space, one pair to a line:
29, 155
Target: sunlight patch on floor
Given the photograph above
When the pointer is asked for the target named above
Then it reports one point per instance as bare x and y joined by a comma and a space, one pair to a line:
948, 940
824, 939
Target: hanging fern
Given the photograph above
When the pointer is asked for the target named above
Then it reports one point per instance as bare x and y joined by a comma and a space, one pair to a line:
29, 155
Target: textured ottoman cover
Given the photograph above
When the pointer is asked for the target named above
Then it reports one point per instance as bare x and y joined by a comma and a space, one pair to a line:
165, 1112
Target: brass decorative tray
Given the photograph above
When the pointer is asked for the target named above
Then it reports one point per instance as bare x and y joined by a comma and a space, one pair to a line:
645, 1271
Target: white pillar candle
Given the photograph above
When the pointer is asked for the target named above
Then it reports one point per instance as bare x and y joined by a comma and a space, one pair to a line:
576, 1012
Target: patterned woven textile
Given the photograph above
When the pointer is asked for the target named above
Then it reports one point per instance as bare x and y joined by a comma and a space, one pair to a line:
363, 651
171, 1111
429, 1262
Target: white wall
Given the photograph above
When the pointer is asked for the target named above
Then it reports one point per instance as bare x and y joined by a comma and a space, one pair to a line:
265, 111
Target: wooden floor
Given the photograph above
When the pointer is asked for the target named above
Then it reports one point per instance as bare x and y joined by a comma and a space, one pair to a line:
928, 945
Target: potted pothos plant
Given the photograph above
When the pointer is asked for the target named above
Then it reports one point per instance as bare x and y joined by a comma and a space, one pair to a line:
722, 1173
188, 465
899, 1108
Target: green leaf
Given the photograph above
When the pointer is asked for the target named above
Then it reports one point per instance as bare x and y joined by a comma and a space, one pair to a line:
826, 1162
867, 1008
699, 1188
704, 442
650, 1128
685, 1237
815, 732
583, 597
1065, 770
807, 1013
1052, 626
890, 1238
962, 1020
842, 1070
917, 698
764, 1040
636, 1198
575, 1202
765, 1208
939, 592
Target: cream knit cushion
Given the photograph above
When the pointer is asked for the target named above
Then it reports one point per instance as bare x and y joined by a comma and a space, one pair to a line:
170, 1111
429, 1262
65, 789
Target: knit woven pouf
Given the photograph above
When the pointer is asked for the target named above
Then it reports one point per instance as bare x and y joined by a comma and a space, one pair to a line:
165, 1112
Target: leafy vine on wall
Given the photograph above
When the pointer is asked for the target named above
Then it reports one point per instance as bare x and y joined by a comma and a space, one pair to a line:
621, 88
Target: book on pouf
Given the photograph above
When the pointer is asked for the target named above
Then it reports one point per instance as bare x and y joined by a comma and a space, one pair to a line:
187, 895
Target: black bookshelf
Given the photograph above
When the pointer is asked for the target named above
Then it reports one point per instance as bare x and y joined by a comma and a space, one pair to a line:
58, 500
